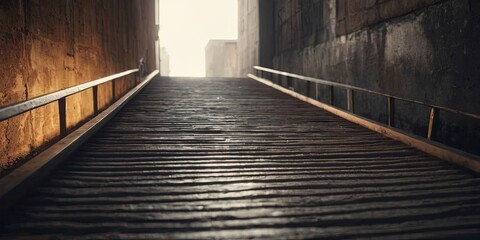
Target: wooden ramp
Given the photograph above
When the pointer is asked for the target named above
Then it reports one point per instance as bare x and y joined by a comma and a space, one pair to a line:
232, 158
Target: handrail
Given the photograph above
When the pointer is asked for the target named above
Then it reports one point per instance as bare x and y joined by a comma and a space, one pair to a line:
27, 105
428, 145
350, 87
19, 181
434, 109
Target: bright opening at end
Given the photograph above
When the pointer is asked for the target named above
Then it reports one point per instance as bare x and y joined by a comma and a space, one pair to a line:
186, 26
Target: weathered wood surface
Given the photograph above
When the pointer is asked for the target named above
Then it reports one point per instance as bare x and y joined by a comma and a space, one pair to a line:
228, 158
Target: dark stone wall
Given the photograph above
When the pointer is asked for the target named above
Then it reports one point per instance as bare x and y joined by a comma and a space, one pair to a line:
352, 15
425, 50
266, 33
52, 45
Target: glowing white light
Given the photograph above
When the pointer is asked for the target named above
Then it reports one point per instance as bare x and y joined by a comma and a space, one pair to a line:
186, 26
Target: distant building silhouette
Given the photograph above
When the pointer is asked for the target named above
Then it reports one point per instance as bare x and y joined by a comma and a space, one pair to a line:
221, 58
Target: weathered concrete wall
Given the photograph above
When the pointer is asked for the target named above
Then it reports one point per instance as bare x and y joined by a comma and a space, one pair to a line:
354, 15
424, 50
221, 58
51, 45
248, 36
164, 62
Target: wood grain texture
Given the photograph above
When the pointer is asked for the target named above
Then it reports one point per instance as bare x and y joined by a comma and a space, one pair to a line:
233, 159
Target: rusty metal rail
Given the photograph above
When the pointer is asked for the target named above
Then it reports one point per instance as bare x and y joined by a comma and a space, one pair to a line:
60, 97
436, 149
233, 159
350, 88
354, 88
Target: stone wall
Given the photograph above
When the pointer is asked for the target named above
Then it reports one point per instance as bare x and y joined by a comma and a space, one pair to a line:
426, 50
52, 45
352, 15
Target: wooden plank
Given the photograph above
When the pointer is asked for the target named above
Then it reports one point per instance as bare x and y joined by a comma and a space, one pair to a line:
235, 159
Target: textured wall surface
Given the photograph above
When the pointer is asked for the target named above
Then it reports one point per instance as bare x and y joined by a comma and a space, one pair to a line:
426, 50
221, 58
248, 36
51, 45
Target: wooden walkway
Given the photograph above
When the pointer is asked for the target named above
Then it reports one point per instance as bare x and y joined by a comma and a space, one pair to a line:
232, 158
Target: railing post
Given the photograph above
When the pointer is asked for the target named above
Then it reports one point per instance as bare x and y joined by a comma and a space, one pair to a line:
308, 88
289, 82
138, 79
391, 111
62, 115
350, 100
331, 95
432, 124
317, 92
95, 100
113, 91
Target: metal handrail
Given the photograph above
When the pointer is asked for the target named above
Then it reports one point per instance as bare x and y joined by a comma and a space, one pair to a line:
347, 86
60, 96
434, 108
